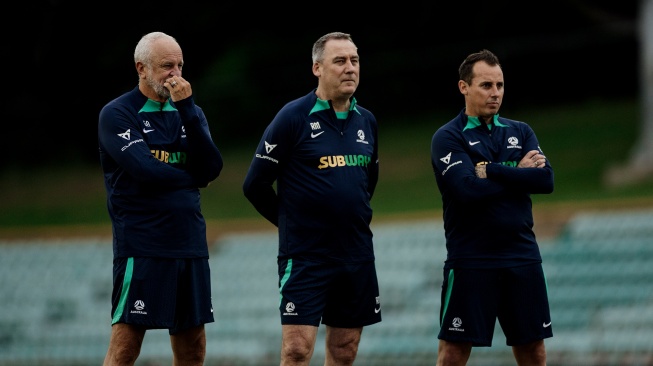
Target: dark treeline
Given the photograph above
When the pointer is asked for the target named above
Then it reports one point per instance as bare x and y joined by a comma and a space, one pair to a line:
245, 63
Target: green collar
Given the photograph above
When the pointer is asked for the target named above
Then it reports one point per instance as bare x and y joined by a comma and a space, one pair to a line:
473, 122
321, 104
154, 106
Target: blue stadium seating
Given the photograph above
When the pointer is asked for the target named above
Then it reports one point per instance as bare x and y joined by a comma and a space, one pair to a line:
55, 303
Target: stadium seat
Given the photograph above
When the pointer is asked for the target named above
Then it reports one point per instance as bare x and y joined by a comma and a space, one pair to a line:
56, 298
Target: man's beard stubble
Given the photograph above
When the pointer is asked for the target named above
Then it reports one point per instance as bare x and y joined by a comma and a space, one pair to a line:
159, 89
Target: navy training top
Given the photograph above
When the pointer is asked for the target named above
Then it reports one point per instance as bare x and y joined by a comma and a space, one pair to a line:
326, 170
155, 157
488, 222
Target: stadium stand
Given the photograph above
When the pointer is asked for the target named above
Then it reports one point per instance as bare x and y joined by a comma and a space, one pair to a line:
55, 310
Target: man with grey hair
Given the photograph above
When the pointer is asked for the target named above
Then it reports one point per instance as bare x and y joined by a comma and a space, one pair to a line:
156, 153
322, 150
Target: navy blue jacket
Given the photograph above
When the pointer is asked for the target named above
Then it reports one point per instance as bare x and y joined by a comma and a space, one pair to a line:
326, 170
155, 157
488, 222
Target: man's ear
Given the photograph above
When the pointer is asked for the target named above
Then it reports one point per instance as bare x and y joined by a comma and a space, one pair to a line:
463, 87
316, 69
140, 69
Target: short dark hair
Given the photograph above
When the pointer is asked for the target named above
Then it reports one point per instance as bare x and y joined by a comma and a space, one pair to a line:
465, 71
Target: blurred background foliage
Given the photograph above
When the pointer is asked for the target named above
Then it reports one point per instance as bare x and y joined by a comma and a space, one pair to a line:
571, 71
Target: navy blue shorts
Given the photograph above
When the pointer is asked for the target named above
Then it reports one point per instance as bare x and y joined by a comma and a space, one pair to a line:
341, 295
161, 293
473, 299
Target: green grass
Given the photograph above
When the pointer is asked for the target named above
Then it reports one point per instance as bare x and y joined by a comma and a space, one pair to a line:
580, 141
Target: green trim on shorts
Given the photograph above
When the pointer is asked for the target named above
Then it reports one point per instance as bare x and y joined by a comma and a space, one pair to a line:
126, 281
448, 296
285, 277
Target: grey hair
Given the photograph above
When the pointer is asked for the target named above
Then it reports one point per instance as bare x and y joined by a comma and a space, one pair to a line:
143, 51
318, 46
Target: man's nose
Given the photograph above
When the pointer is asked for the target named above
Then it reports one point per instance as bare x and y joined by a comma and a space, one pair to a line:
495, 90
